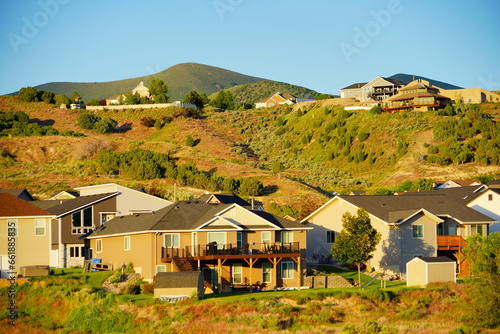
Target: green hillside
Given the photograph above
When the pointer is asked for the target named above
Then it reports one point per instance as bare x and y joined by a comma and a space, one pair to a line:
253, 92
181, 79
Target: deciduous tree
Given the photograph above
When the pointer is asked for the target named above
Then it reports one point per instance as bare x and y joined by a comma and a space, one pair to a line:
357, 240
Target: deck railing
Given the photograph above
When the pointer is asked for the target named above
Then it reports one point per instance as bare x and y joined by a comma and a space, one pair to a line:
450, 242
229, 249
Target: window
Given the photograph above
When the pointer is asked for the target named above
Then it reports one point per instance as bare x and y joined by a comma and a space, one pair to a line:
287, 237
87, 217
479, 229
82, 219
490, 197
452, 230
218, 237
172, 240
40, 227
126, 243
266, 272
286, 270
76, 251
266, 237
98, 246
161, 268
418, 231
237, 273
105, 217
239, 239
330, 237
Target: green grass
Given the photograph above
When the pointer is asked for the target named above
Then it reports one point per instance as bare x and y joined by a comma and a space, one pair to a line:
349, 274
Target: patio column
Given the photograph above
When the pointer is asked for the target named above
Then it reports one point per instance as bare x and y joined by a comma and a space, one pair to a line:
219, 278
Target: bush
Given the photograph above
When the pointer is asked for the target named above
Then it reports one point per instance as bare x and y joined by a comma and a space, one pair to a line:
87, 121
190, 141
148, 122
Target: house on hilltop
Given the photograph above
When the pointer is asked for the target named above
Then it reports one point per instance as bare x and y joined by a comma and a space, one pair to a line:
376, 90
425, 224
231, 245
278, 99
141, 90
417, 95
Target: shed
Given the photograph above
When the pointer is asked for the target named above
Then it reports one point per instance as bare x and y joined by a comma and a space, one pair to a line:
179, 285
421, 271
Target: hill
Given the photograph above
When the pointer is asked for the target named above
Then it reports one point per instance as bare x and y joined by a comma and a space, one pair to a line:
321, 147
250, 93
407, 78
181, 79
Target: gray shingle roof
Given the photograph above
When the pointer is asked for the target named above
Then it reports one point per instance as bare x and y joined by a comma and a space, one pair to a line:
181, 216
394, 209
68, 206
436, 259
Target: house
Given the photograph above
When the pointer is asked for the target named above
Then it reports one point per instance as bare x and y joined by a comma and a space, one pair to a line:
22, 193
417, 95
353, 91
179, 285
420, 271
74, 218
128, 200
141, 90
25, 235
456, 183
414, 224
278, 99
115, 99
471, 95
65, 194
377, 89
234, 247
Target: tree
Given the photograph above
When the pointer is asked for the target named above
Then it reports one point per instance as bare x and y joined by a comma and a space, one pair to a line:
190, 141
357, 240
277, 168
76, 97
224, 100
48, 97
157, 87
61, 99
28, 94
194, 98
93, 102
483, 256
376, 110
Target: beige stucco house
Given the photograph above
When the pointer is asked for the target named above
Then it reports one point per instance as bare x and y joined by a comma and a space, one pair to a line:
141, 90
25, 235
417, 224
233, 246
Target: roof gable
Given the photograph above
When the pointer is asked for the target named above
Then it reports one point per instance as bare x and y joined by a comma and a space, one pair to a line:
11, 206
68, 206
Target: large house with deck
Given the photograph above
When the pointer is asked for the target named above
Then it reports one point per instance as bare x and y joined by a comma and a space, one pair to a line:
423, 224
232, 245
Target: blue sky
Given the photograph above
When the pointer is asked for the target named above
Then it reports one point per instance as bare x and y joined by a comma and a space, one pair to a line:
322, 45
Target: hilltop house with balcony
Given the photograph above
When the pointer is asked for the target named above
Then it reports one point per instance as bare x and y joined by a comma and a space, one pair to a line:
376, 90
417, 95
415, 224
231, 245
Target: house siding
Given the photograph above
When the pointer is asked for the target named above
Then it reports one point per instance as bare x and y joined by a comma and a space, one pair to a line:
411, 247
29, 248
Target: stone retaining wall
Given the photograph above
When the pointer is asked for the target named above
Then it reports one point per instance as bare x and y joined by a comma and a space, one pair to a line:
321, 282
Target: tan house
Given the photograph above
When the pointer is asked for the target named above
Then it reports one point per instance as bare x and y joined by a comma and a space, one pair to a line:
376, 90
353, 91
234, 247
25, 235
471, 95
421, 271
276, 100
141, 90
411, 225
417, 95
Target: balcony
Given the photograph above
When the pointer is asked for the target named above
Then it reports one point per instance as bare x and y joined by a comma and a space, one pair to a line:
231, 251
450, 242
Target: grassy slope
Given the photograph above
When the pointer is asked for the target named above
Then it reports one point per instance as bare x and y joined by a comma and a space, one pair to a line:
226, 140
181, 79
253, 92
75, 303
